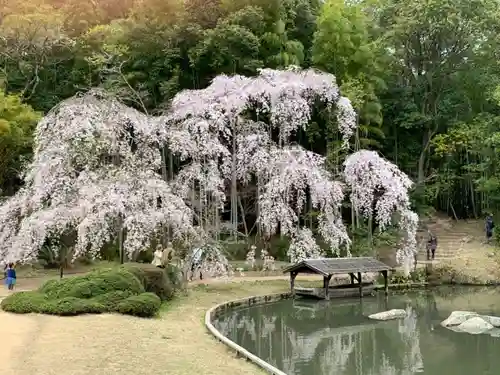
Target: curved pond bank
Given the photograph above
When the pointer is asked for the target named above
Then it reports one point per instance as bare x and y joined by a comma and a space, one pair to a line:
218, 312
301, 337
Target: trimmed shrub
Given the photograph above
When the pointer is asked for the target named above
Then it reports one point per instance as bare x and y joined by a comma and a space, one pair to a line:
70, 306
144, 305
154, 280
109, 300
24, 302
93, 284
112, 290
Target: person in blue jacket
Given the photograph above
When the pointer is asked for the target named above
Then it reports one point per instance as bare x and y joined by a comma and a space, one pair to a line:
10, 279
489, 226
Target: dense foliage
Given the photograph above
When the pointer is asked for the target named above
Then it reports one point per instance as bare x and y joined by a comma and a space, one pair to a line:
423, 77
104, 291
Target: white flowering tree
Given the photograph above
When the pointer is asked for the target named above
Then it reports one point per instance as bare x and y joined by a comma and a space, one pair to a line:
96, 174
94, 177
240, 130
380, 190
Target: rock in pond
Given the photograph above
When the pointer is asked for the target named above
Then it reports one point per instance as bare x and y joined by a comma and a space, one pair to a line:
493, 320
473, 323
458, 317
388, 315
475, 326
495, 332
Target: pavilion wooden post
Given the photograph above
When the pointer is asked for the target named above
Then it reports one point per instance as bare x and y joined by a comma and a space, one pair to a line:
293, 275
326, 284
360, 285
386, 282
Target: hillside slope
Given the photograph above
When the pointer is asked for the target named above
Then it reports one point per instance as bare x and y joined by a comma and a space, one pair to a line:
462, 247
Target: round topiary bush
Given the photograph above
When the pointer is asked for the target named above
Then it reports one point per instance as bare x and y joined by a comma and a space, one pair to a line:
144, 305
108, 301
154, 280
24, 302
70, 306
93, 284
112, 290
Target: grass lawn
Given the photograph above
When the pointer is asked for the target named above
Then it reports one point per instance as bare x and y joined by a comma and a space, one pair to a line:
35, 271
175, 343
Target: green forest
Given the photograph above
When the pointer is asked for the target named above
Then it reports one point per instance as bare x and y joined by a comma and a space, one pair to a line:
423, 75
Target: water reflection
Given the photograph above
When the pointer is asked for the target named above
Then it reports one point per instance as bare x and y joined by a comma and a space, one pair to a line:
335, 337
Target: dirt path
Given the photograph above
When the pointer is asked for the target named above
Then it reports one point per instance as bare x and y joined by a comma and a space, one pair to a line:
16, 332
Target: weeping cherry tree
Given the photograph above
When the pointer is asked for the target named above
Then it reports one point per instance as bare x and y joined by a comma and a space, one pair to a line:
96, 173
94, 177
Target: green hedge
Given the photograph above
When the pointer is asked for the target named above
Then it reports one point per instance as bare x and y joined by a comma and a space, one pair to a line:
144, 305
93, 284
133, 290
153, 279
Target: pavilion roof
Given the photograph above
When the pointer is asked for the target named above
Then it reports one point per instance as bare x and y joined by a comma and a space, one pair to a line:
335, 266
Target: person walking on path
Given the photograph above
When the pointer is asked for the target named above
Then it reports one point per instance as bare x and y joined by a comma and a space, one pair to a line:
10, 279
489, 226
431, 246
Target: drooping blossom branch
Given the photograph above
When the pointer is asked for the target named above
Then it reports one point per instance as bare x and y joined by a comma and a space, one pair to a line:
294, 175
380, 190
94, 173
304, 246
213, 123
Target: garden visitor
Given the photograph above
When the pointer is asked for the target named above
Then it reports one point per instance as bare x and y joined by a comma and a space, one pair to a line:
10, 279
157, 257
168, 254
431, 245
489, 226
196, 260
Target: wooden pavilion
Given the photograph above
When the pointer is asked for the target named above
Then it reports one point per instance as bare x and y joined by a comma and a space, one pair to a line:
327, 267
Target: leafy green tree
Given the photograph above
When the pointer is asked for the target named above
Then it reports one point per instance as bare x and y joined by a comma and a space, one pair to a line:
17, 123
343, 46
229, 48
431, 42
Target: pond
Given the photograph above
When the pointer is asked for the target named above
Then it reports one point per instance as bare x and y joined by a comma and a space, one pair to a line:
304, 337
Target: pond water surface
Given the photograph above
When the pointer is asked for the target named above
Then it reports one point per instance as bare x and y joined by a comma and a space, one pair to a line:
303, 337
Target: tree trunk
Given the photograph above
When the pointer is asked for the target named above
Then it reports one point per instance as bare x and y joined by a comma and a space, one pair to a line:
243, 217
120, 245
370, 234
234, 192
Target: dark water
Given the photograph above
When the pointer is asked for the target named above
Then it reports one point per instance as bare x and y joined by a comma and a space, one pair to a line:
335, 337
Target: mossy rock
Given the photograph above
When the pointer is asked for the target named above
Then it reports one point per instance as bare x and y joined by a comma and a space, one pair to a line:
144, 305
